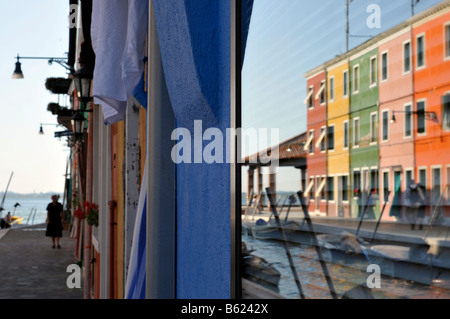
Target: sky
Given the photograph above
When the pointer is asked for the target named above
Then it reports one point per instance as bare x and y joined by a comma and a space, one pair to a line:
31, 28
287, 38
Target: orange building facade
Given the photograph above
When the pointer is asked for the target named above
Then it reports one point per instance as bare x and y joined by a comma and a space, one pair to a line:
431, 95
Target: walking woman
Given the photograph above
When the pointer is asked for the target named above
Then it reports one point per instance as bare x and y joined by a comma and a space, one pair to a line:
54, 221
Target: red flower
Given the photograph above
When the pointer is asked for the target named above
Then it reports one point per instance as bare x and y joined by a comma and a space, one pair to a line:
79, 213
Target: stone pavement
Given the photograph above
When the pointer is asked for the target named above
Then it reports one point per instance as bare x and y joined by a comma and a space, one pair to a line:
31, 269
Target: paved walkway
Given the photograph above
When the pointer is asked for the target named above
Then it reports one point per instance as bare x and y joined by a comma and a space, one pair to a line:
31, 269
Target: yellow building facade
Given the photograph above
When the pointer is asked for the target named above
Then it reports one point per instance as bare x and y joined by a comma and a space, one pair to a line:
338, 126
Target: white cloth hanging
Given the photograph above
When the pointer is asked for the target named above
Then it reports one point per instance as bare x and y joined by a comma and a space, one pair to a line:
118, 31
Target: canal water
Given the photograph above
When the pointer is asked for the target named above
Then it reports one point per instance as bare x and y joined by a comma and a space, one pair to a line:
313, 281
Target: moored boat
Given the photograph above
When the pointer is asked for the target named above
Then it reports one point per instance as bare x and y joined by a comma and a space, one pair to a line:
259, 271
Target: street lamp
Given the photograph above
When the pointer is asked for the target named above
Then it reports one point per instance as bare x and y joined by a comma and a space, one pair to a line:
18, 71
18, 74
78, 121
83, 81
428, 115
41, 130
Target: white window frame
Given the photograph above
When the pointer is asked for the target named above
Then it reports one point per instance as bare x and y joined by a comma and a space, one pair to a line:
373, 63
410, 57
322, 139
423, 169
308, 143
384, 186
409, 169
385, 53
354, 144
309, 187
347, 188
356, 170
432, 181
356, 79
411, 121
334, 138
425, 118
323, 182
332, 88
445, 129
446, 47
322, 90
447, 182
424, 52
373, 130
309, 96
334, 188
348, 134
377, 170
383, 140
346, 83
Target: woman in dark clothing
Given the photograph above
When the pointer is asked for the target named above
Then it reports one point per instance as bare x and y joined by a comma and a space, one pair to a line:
54, 221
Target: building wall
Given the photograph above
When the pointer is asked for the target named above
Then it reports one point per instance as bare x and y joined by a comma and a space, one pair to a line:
364, 157
338, 159
317, 119
397, 151
431, 84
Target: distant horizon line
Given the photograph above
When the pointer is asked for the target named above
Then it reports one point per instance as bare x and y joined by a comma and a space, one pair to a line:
27, 193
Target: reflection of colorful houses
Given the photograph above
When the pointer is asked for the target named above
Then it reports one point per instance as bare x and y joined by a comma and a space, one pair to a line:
396, 121
396, 97
364, 151
338, 139
431, 94
316, 147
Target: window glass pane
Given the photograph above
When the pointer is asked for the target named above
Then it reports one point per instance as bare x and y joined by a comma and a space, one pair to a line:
386, 186
346, 135
322, 139
447, 40
421, 117
373, 71
356, 132
312, 143
330, 188
409, 177
446, 112
423, 177
385, 66
373, 128
420, 51
330, 138
344, 188
349, 135
331, 88
345, 83
385, 125
408, 121
407, 57
356, 79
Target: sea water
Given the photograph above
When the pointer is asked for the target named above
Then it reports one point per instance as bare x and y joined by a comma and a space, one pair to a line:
27, 203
